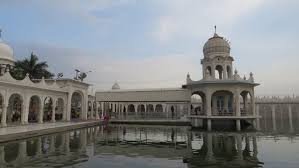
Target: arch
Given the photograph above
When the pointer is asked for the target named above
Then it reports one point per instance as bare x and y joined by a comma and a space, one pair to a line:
198, 103
141, 108
34, 109
246, 101
222, 103
159, 108
219, 72
76, 105
59, 108
228, 71
48, 109
131, 108
15, 108
150, 108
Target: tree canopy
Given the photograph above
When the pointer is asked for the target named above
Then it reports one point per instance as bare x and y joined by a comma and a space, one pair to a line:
33, 67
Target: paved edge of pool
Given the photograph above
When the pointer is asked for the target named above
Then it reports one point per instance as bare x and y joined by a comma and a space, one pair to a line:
46, 131
153, 122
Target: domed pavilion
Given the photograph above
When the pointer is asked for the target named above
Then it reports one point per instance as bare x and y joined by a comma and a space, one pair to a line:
227, 99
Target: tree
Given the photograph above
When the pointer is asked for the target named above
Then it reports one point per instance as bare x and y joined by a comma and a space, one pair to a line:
35, 69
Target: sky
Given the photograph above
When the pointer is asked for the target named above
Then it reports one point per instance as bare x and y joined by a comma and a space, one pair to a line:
155, 43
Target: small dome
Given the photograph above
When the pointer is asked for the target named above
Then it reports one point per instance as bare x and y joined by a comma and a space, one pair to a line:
6, 54
216, 44
115, 86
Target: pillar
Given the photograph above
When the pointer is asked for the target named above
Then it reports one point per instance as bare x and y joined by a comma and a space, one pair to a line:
254, 146
91, 111
41, 112
258, 127
290, 118
97, 112
209, 112
22, 154
4, 113
69, 107
53, 111
238, 125
273, 117
237, 103
2, 156
39, 146
239, 146
52, 143
209, 155
102, 109
24, 111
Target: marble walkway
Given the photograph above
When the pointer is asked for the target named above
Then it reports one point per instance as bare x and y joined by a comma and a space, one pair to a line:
13, 132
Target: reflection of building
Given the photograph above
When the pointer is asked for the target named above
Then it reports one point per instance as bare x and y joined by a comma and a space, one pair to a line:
218, 150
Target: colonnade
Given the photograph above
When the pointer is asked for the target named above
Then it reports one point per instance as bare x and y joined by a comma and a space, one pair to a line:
145, 110
274, 112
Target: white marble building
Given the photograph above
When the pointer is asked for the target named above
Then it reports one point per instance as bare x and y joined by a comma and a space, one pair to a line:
224, 96
26, 101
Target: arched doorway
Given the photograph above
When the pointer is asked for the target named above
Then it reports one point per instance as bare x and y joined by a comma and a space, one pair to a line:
246, 103
222, 103
59, 109
150, 111
76, 105
141, 110
219, 72
48, 109
34, 109
159, 108
198, 103
14, 109
130, 111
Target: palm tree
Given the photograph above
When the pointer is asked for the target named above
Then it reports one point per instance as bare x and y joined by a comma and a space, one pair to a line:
35, 69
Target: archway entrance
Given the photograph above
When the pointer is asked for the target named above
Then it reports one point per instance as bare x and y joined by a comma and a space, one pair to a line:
14, 109
48, 109
246, 103
76, 105
222, 103
198, 103
34, 109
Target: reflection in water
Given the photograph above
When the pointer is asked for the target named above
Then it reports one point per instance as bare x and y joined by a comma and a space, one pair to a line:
147, 146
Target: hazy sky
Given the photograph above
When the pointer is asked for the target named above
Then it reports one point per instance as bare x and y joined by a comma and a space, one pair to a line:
155, 43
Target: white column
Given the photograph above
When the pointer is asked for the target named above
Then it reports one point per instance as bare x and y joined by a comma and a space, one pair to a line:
91, 111
237, 103
239, 146
69, 106
273, 117
209, 110
238, 124
53, 110
102, 108
290, 118
22, 154
258, 127
4, 113
41, 111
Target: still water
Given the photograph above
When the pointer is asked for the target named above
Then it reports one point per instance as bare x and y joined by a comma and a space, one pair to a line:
131, 146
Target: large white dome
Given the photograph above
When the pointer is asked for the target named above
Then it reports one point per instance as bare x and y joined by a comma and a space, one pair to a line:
6, 53
216, 45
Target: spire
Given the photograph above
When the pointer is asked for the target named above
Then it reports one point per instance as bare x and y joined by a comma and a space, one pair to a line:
215, 29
